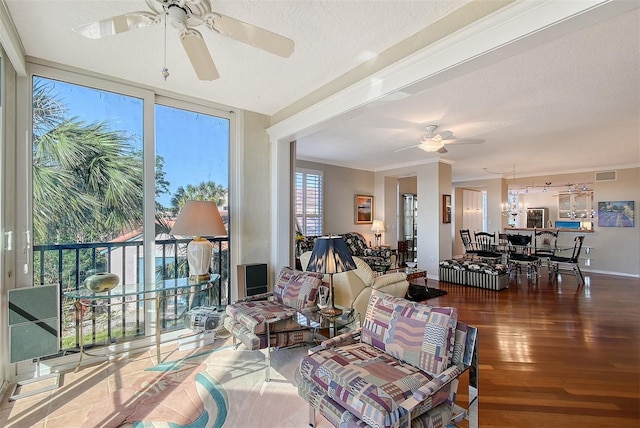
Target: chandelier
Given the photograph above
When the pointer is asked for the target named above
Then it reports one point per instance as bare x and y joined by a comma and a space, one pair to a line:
512, 208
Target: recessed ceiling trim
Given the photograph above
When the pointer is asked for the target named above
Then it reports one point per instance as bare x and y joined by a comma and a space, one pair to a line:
511, 23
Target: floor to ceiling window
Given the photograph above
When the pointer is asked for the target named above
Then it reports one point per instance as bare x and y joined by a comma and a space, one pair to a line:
192, 162
87, 192
100, 153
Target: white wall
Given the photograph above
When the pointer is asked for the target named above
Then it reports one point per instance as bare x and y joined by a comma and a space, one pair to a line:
255, 195
340, 187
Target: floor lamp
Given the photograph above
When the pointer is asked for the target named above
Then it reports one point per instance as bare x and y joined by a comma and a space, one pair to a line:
330, 255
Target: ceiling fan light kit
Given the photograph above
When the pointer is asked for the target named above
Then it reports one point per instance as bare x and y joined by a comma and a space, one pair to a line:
435, 142
184, 15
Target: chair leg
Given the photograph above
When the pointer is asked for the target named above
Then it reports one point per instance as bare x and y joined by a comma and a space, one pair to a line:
267, 374
553, 272
533, 269
576, 271
312, 416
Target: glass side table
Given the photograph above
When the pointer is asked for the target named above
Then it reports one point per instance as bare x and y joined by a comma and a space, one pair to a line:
331, 326
157, 293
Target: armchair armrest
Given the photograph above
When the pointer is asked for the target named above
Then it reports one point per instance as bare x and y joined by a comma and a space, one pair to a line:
431, 387
437, 382
341, 339
389, 278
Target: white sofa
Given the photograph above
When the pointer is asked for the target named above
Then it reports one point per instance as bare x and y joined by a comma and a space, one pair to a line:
353, 288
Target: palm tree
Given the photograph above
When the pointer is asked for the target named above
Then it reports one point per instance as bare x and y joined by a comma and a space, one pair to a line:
205, 191
87, 178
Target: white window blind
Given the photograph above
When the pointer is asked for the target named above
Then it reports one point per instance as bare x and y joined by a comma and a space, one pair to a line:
309, 202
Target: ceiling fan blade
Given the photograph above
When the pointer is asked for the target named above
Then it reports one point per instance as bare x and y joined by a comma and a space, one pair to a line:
446, 135
464, 141
115, 25
407, 148
251, 35
198, 54
442, 150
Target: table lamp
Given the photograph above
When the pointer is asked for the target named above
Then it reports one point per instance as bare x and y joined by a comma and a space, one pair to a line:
377, 227
330, 255
198, 219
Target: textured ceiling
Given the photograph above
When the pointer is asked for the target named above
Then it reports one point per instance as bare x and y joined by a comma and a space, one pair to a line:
567, 104
331, 38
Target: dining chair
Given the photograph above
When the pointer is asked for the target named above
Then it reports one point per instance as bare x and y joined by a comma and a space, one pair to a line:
470, 249
486, 246
558, 262
521, 254
545, 244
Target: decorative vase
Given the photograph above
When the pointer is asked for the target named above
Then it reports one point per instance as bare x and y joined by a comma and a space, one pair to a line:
101, 282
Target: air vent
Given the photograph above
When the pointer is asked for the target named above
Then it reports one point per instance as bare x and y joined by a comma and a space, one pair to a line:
606, 176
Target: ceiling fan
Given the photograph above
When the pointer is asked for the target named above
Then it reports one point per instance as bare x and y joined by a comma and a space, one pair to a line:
184, 15
435, 142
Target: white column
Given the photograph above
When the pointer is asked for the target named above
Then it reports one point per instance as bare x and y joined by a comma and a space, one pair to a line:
434, 236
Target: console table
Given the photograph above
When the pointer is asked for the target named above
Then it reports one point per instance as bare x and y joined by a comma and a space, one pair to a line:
157, 293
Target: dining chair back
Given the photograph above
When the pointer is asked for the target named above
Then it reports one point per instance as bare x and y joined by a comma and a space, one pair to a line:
469, 246
485, 241
558, 262
486, 246
545, 242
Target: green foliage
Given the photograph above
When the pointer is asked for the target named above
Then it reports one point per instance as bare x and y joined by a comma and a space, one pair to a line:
205, 191
87, 178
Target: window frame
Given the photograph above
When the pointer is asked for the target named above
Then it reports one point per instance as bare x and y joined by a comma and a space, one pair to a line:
301, 222
21, 197
150, 98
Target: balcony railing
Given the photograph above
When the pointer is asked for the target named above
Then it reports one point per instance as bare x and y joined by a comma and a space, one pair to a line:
69, 264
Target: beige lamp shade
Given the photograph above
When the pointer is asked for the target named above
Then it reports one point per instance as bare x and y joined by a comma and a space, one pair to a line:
197, 219
377, 227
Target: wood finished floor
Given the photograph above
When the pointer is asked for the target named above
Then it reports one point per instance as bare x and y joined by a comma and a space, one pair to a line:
555, 355
550, 356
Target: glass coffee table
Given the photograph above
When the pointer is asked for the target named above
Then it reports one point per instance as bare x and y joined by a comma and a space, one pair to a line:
327, 326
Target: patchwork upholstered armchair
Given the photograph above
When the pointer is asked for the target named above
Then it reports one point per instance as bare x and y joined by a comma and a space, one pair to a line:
400, 369
271, 320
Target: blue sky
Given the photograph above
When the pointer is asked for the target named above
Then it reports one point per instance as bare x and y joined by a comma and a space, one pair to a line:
195, 146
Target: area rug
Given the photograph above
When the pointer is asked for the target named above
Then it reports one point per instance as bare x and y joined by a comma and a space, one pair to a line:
420, 293
220, 388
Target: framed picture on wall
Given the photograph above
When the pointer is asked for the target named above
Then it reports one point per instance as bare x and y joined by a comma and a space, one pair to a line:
446, 208
364, 209
616, 214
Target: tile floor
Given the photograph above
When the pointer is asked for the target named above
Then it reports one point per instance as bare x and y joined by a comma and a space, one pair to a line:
67, 405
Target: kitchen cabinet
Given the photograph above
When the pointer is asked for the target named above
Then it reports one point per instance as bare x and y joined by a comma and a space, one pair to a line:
575, 205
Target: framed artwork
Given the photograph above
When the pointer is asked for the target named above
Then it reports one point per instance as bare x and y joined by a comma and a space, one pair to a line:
616, 214
446, 208
364, 209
